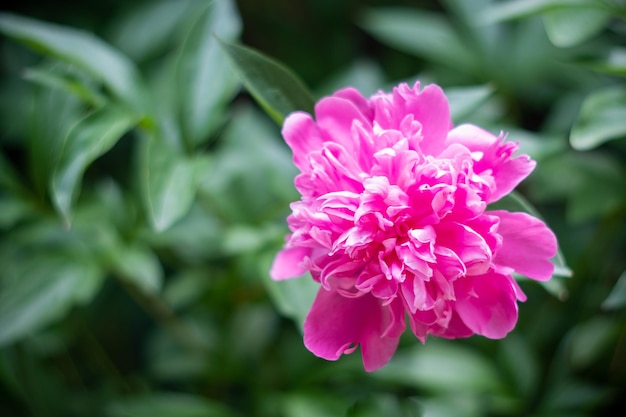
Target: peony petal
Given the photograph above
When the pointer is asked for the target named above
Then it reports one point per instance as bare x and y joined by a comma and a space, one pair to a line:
335, 116
429, 107
287, 263
353, 95
527, 245
493, 157
472, 137
336, 325
489, 305
303, 136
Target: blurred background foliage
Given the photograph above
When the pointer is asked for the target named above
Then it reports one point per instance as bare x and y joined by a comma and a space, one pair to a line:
143, 195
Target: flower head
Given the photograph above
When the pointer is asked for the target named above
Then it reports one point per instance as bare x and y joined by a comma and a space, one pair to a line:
393, 223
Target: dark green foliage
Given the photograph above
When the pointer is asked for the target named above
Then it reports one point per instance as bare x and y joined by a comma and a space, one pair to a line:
143, 195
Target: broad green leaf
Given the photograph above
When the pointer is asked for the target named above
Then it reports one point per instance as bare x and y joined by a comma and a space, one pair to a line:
592, 183
425, 34
167, 404
82, 49
617, 298
590, 340
52, 79
206, 80
520, 363
614, 64
87, 140
517, 9
139, 266
252, 144
168, 181
442, 367
601, 119
43, 292
277, 90
54, 114
464, 100
151, 27
570, 26
14, 209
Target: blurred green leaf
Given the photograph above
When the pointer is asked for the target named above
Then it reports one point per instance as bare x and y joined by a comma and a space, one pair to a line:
617, 298
82, 49
87, 140
52, 79
166, 404
364, 75
138, 265
517, 9
169, 181
425, 34
591, 183
277, 90
311, 404
601, 119
149, 28
206, 80
54, 114
43, 292
521, 364
252, 144
385, 405
591, 340
440, 366
464, 100
615, 63
570, 26
14, 209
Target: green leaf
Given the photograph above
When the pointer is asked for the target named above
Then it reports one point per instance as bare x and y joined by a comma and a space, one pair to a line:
87, 140
385, 405
570, 26
277, 90
617, 298
206, 80
425, 34
139, 266
250, 145
82, 49
52, 79
54, 113
465, 100
442, 367
615, 63
591, 340
43, 292
517, 9
149, 28
591, 183
168, 181
166, 404
601, 119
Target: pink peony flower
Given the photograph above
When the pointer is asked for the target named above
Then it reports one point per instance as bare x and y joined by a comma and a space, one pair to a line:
393, 223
